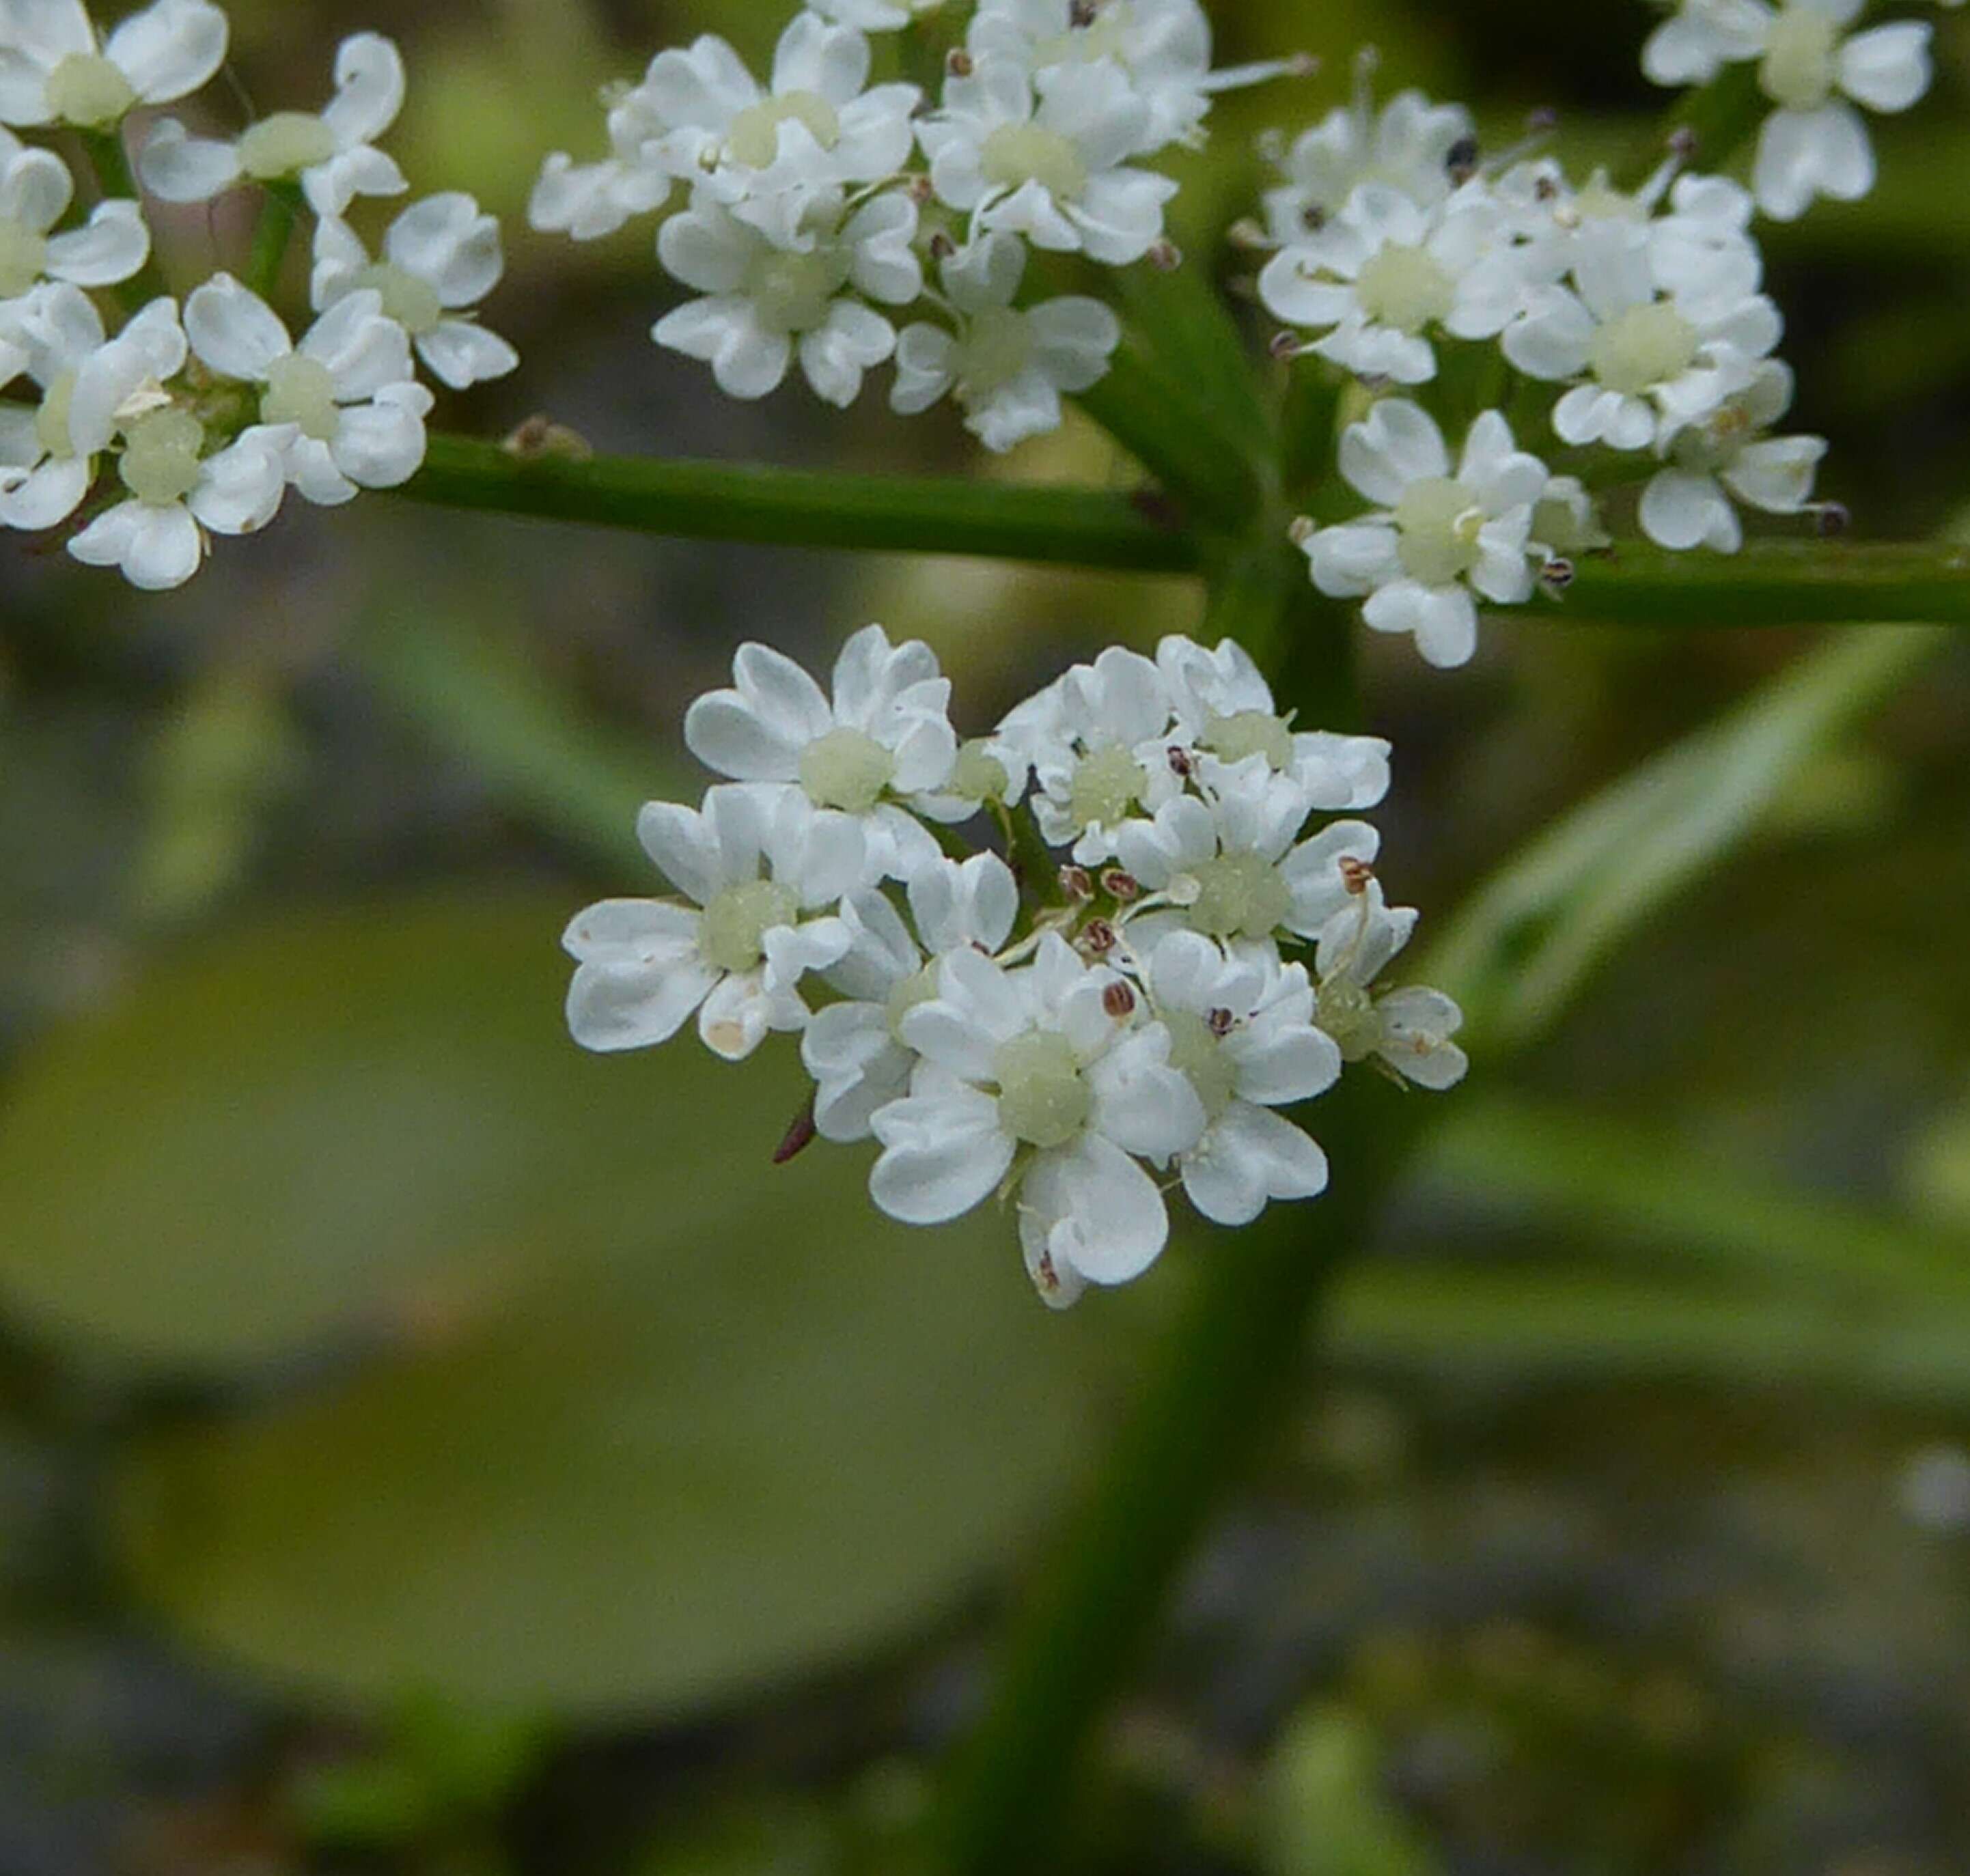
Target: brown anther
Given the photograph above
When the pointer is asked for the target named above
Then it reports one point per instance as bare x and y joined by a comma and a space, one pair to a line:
1166, 257
1124, 888
1181, 762
1221, 1023
1249, 235
1460, 160
541, 439
1099, 938
1547, 189
1082, 15
941, 246
920, 191
1683, 142
1119, 1000
1558, 574
1831, 518
800, 1136
1543, 121
1356, 875
960, 63
1077, 883
1302, 531
1313, 218
1285, 346
1303, 65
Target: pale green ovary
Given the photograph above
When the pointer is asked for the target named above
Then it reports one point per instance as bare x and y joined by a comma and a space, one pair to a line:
980, 775
1249, 733
1042, 1100
1240, 895
86, 89
793, 292
284, 144
1108, 784
1438, 526
847, 769
996, 349
1404, 287
1347, 1013
732, 937
1800, 62
160, 457
1197, 1053
51, 421
412, 303
1018, 153
23, 254
1645, 346
300, 390
755, 137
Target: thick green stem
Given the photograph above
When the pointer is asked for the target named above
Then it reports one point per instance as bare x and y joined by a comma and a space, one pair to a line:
1775, 583
795, 507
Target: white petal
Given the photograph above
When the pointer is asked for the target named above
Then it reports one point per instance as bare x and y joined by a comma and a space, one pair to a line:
157, 548
110, 247
240, 489
370, 90
1142, 1104
736, 1017
170, 50
1887, 68
1681, 510
1805, 153
460, 354
943, 1154
1100, 1214
1249, 1158
448, 243
381, 445
234, 331
177, 166
1398, 443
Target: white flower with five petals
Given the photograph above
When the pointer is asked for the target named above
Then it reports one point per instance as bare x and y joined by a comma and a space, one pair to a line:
332, 155
755, 867
35, 191
587, 201
54, 70
44, 477
1405, 146
884, 736
1439, 536
1409, 1030
440, 257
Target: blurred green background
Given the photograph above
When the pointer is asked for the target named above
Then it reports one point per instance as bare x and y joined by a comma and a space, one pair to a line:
424, 1448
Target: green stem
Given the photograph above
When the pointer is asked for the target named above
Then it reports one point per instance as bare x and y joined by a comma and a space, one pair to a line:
118, 182
278, 214
1775, 583
795, 507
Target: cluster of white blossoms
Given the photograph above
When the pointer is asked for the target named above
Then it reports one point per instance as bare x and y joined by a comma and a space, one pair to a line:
814, 211
141, 426
1122, 1014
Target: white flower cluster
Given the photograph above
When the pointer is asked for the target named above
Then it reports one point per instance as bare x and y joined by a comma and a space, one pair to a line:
1633, 324
818, 206
208, 414
1068, 1041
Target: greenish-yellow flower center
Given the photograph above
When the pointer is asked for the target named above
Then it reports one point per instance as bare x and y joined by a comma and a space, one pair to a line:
1196, 1053
86, 89
1015, 154
301, 391
732, 937
51, 421
914, 990
23, 253
1106, 784
160, 457
1240, 895
1801, 59
1043, 1098
1249, 733
1437, 525
1405, 288
793, 292
848, 769
1346, 1012
412, 303
980, 775
284, 144
755, 137
995, 350
1645, 346
1106, 36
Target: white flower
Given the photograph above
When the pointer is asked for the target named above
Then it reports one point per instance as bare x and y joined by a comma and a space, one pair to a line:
1050, 161
1234, 865
1407, 147
815, 126
765, 299
440, 257
42, 476
1566, 520
178, 490
1409, 1029
885, 736
752, 865
1437, 537
333, 155
53, 70
1007, 367
35, 191
1242, 1032
341, 409
589, 200
855, 1051
1050, 1062
1225, 712
1729, 453
873, 16
1385, 272
1097, 739
1815, 143
1658, 354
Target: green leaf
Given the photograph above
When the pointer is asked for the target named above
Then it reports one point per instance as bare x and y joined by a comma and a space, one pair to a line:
1520, 950
657, 1422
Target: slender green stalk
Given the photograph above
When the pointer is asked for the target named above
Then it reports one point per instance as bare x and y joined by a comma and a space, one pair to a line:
278, 214
793, 507
1776, 583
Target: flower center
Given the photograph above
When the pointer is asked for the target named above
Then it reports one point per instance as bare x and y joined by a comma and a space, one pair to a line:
920, 988
86, 89
1196, 1053
1249, 733
848, 769
300, 391
284, 144
412, 303
997, 348
1800, 65
793, 292
754, 139
1015, 154
1042, 1100
1645, 346
51, 421
160, 457
1240, 895
1601, 201
1405, 288
980, 775
1105, 36
1439, 525
1346, 1012
23, 252
732, 937
1106, 785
